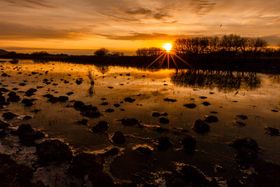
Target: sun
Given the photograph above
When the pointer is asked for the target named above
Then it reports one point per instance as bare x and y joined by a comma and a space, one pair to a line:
167, 47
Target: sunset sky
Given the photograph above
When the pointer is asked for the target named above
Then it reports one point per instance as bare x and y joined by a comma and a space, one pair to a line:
126, 25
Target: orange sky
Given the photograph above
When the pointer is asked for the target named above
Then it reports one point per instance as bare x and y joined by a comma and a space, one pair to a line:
126, 25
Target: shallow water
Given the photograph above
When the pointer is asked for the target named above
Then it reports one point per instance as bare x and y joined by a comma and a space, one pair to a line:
229, 94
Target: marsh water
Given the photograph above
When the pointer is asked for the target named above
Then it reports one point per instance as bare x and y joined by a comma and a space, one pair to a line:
225, 95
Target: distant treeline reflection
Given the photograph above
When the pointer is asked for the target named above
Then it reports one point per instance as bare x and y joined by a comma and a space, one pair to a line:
223, 80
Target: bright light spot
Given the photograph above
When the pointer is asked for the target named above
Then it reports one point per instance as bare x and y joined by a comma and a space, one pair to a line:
167, 47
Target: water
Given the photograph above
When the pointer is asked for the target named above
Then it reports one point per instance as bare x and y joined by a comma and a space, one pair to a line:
229, 94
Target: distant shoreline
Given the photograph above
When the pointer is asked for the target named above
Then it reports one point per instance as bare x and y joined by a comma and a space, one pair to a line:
256, 63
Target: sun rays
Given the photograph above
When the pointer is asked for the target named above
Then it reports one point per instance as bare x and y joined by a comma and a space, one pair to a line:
168, 55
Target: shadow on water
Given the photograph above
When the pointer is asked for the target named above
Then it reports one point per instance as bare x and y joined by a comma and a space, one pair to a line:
223, 80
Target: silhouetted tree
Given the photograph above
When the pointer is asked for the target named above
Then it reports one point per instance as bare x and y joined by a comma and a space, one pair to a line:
102, 52
153, 51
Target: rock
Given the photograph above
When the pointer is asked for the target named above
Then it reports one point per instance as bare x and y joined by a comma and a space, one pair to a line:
104, 103
4, 125
48, 96
203, 97
63, 99
163, 120
201, 127
247, 150
79, 81
13, 97
27, 135
242, 117
117, 105
169, 100
190, 105
84, 164
78, 105
206, 103
144, 149
130, 122
118, 138
129, 100
69, 93
101, 127
109, 110
194, 177
101, 178
164, 144
13, 174
53, 151
2, 100
156, 114
189, 144
27, 102
83, 122
211, 119
240, 123
272, 131
9, 115
30, 92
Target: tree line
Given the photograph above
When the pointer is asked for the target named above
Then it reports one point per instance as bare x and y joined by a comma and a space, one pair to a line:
205, 45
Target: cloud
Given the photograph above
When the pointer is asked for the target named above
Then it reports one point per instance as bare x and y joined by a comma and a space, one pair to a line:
19, 31
30, 3
143, 36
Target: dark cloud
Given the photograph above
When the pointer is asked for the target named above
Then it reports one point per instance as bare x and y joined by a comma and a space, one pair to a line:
30, 3
19, 31
142, 36
149, 13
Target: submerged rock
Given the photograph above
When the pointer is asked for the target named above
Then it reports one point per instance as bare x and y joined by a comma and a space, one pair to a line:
9, 115
83, 122
53, 151
246, 149
13, 174
211, 119
101, 127
79, 81
190, 105
189, 144
84, 164
201, 126
129, 100
164, 144
242, 117
118, 138
163, 120
28, 102
130, 122
272, 131
30, 92
27, 135
13, 97
169, 100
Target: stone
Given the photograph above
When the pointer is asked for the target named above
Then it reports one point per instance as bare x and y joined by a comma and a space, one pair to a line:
163, 120
9, 115
211, 119
129, 100
201, 126
164, 144
272, 131
101, 127
118, 138
189, 144
190, 105
53, 151
130, 122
